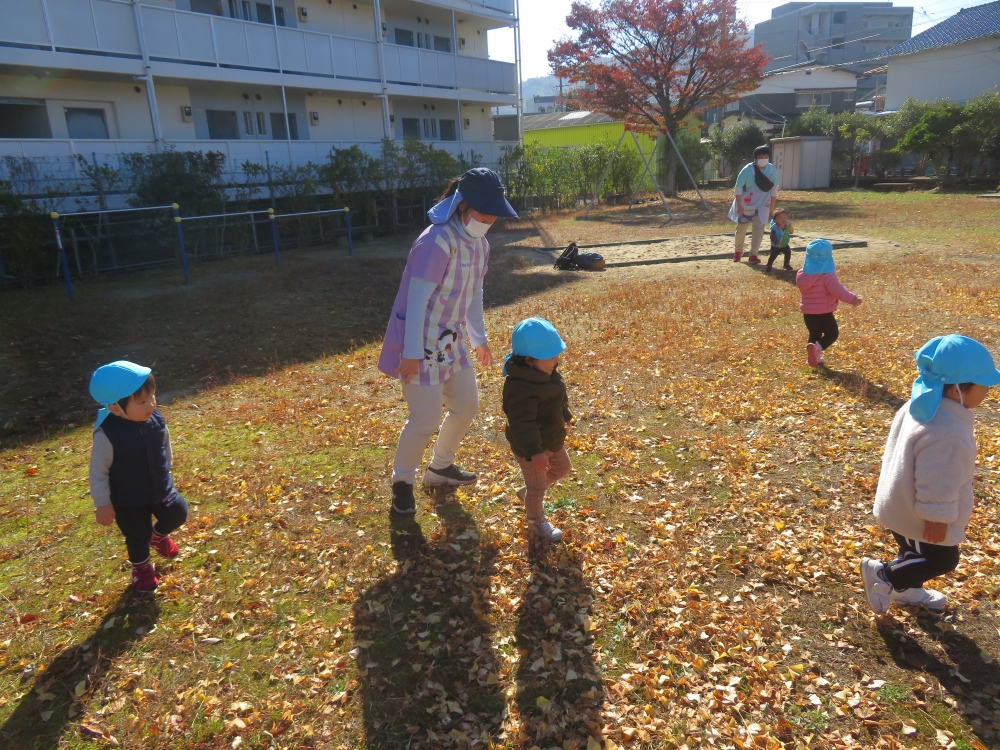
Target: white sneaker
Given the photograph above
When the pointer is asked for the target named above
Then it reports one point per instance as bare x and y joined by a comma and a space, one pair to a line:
878, 591
545, 531
917, 597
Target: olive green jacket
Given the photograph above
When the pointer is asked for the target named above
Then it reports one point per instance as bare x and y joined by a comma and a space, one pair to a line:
536, 407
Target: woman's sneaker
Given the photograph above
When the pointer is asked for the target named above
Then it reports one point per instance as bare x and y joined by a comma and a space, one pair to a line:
736, 257
753, 260
450, 476
545, 531
919, 597
812, 354
402, 498
144, 577
164, 546
877, 589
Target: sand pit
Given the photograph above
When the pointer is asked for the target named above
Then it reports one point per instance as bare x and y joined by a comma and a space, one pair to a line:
681, 249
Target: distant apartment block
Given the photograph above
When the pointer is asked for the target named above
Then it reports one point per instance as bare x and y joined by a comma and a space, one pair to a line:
832, 33
291, 79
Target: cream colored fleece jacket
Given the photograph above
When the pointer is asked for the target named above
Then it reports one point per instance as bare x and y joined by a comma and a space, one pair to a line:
927, 473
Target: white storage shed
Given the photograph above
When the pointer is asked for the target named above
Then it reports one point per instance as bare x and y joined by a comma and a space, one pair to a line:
803, 162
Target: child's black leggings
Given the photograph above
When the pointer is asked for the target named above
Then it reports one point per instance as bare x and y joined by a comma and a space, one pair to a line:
136, 523
776, 251
822, 329
919, 562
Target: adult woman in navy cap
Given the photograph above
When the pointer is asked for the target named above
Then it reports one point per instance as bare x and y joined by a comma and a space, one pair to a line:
436, 318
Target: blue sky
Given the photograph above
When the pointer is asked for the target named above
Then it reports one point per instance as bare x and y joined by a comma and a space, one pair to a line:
544, 21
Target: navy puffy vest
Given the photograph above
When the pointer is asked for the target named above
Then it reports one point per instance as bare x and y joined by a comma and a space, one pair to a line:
139, 474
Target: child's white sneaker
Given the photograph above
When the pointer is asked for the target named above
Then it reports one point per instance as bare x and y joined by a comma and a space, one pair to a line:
812, 354
919, 597
878, 590
545, 531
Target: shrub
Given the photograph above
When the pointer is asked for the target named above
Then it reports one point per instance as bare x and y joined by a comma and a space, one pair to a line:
191, 178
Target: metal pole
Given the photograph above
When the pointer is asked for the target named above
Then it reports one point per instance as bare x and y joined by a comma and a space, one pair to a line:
607, 169
350, 242
63, 263
649, 169
180, 241
154, 111
517, 61
274, 234
384, 91
690, 176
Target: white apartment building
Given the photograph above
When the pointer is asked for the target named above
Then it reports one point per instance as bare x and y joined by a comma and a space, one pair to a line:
278, 80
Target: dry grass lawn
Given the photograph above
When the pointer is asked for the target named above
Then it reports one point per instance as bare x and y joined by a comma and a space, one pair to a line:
706, 595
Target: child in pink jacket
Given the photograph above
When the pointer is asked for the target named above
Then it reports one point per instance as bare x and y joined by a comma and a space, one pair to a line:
821, 294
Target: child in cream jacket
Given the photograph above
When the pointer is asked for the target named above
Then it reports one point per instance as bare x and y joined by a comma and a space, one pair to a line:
924, 494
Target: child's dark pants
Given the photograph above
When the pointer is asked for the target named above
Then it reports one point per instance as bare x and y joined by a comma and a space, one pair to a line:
136, 523
776, 251
918, 562
822, 329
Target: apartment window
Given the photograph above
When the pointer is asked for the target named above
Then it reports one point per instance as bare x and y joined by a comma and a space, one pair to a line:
248, 123
278, 130
848, 96
840, 16
449, 132
261, 124
212, 7
264, 14
222, 125
733, 106
838, 42
411, 128
24, 118
404, 37
442, 44
240, 9
86, 124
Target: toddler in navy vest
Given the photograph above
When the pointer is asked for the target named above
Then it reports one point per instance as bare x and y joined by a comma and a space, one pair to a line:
130, 467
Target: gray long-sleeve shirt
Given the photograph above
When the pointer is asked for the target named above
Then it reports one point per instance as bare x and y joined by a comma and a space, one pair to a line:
101, 455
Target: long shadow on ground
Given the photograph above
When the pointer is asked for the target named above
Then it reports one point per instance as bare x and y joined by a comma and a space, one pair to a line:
859, 385
971, 682
559, 691
426, 661
233, 320
61, 689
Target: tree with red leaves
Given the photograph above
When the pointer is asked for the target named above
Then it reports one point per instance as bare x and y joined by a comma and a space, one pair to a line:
653, 63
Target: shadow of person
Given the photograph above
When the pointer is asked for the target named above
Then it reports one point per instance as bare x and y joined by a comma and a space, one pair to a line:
859, 385
559, 690
969, 680
425, 656
777, 272
56, 696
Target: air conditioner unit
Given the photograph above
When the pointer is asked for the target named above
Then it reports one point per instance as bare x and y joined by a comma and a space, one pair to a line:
303, 14
186, 115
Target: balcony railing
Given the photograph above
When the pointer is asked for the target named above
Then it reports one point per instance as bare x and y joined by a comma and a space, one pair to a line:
57, 157
107, 27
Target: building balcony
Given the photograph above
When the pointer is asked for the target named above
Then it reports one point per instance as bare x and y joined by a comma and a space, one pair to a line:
182, 43
57, 158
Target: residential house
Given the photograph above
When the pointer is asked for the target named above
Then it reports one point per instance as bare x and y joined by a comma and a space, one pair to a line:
955, 60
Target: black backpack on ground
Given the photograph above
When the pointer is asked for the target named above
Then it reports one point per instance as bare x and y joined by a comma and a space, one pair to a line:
572, 259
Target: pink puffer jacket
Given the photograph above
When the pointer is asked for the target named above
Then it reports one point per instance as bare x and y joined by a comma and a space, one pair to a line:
821, 292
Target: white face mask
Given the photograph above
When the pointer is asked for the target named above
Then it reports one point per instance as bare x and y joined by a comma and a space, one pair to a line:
762, 163
475, 228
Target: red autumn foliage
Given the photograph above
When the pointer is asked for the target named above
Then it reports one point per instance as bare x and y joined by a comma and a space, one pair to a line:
653, 63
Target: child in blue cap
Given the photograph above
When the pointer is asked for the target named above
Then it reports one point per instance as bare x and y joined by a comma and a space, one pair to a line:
537, 409
130, 467
924, 494
822, 293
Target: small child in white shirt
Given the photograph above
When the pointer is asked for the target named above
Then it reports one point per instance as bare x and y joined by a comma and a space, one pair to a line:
924, 494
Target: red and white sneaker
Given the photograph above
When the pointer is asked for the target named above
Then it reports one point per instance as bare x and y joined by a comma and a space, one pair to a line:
812, 354
736, 257
144, 577
164, 546
753, 260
